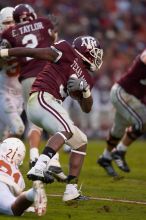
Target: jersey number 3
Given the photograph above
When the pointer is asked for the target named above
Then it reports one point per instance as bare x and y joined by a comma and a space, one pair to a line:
30, 41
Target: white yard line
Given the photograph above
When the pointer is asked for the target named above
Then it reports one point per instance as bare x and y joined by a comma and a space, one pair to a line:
107, 199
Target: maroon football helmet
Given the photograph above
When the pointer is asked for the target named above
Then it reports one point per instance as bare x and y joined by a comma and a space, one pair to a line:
90, 51
23, 13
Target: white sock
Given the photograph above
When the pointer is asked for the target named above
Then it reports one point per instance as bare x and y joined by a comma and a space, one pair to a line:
55, 160
29, 194
121, 147
56, 156
107, 154
34, 154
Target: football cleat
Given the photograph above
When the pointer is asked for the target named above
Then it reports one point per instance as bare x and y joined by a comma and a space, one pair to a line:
119, 158
40, 198
72, 195
56, 170
57, 173
37, 173
71, 192
107, 165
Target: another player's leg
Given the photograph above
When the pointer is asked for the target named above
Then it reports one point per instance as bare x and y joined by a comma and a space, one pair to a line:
78, 142
38, 172
105, 160
10, 115
36, 196
119, 154
34, 138
72, 192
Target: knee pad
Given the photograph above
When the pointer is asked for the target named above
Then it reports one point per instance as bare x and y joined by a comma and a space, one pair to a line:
112, 141
78, 139
79, 152
133, 133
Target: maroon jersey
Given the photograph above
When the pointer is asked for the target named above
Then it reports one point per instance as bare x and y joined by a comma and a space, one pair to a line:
53, 79
32, 34
134, 81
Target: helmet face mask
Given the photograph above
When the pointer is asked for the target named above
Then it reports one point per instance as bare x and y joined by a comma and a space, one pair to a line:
90, 51
13, 150
24, 13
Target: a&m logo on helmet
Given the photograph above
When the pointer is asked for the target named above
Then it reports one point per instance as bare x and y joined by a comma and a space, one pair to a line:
89, 42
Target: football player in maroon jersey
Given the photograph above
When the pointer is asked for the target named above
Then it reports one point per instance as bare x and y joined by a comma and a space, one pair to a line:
32, 31
128, 96
69, 72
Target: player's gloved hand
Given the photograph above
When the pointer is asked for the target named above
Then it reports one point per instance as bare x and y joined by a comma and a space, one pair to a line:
75, 84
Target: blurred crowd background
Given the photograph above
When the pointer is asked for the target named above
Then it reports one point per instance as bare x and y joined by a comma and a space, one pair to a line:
120, 26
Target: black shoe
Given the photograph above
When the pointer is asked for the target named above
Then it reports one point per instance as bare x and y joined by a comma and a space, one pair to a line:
107, 165
119, 158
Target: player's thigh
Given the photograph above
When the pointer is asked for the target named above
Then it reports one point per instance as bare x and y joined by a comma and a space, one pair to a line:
6, 199
44, 111
119, 125
129, 107
26, 88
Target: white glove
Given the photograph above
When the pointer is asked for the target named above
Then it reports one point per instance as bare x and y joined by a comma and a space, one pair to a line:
75, 84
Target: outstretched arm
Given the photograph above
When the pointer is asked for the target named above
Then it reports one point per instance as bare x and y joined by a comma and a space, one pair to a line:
38, 53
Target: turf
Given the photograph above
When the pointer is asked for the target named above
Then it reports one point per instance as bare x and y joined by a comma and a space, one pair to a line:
95, 183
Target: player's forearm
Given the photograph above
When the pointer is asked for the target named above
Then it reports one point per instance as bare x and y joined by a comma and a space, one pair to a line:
86, 104
38, 53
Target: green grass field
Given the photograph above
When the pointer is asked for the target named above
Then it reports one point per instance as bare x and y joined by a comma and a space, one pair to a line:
95, 183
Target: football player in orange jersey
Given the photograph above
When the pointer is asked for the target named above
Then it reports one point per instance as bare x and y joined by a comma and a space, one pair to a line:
11, 100
13, 199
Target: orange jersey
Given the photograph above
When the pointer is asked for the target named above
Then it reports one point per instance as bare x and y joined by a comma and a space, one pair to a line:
11, 175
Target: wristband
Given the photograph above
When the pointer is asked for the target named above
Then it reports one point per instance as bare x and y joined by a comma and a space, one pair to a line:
4, 53
87, 94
